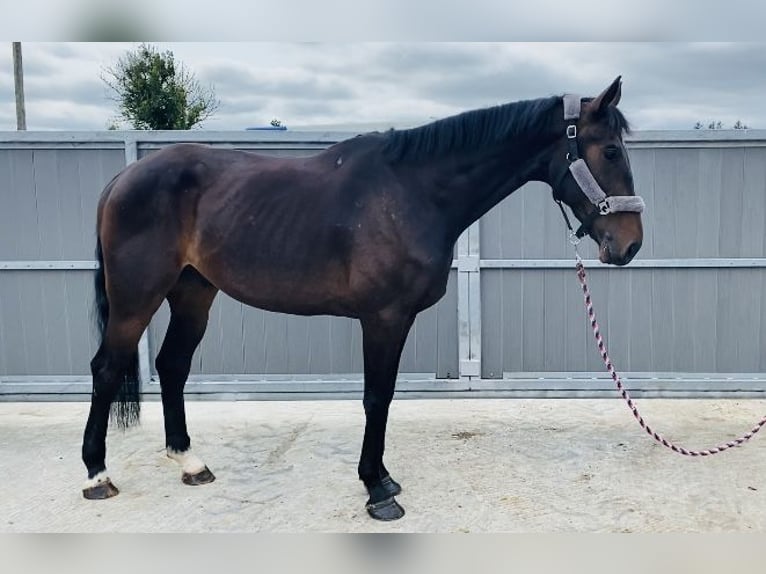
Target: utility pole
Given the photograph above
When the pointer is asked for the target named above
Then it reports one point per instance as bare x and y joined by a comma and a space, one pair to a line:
18, 77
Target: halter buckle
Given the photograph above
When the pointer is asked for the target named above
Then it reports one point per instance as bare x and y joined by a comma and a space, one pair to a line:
572, 131
603, 207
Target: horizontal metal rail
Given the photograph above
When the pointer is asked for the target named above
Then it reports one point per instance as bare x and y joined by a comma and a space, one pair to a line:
47, 265
118, 139
692, 263
414, 386
701, 263
655, 137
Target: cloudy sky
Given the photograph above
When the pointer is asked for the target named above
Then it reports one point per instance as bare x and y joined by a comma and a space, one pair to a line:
380, 85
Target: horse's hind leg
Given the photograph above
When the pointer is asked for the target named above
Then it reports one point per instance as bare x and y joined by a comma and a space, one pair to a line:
190, 301
126, 301
115, 370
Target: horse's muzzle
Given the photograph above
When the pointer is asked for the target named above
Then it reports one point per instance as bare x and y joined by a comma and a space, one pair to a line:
610, 253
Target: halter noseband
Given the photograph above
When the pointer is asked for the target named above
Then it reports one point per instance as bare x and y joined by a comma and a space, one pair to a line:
584, 178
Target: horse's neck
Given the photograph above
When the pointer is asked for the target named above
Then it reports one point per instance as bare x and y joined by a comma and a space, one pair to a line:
469, 185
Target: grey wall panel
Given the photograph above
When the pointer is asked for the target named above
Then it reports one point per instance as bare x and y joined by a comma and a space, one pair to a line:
94, 171
731, 204
46, 323
20, 228
654, 320
432, 343
521, 225
446, 324
15, 359
48, 201
643, 165
708, 221
753, 222
81, 323
739, 303
47, 212
762, 329
702, 202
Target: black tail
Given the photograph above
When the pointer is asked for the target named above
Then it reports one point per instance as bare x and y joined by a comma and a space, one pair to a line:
126, 408
101, 302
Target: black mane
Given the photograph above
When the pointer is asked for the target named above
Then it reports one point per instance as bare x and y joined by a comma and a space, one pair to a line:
482, 127
475, 128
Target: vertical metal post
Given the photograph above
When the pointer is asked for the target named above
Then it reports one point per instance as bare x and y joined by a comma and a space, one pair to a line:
469, 303
474, 290
18, 80
144, 366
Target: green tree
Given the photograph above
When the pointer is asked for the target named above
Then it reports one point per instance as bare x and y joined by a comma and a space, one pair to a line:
155, 92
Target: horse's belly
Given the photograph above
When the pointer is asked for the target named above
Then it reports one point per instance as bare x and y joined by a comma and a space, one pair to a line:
286, 291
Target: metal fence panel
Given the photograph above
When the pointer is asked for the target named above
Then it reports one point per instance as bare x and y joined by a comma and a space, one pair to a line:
47, 214
688, 316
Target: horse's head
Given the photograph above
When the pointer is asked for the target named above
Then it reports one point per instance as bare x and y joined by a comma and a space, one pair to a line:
591, 174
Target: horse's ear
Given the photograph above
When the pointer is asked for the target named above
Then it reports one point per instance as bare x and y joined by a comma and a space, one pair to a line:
609, 97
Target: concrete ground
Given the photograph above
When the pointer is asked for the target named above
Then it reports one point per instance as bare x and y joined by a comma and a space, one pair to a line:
466, 465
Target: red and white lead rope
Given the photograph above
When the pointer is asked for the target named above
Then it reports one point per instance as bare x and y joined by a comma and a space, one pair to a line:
623, 391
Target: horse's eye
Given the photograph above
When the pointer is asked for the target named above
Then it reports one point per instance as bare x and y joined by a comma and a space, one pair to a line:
611, 152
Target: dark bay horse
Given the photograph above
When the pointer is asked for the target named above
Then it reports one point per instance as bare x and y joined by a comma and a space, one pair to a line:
363, 229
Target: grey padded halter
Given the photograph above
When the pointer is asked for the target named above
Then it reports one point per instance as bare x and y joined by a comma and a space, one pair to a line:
583, 176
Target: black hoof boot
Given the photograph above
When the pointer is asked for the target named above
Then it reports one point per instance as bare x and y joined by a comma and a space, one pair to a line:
386, 510
204, 476
392, 487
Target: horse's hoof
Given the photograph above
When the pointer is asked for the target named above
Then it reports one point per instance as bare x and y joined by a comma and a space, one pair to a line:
101, 491
386, 510
204, 476
392, 487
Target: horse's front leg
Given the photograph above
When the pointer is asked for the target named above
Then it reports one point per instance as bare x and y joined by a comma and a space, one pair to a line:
383, 336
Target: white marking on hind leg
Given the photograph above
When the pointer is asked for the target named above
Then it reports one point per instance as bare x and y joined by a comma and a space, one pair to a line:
100, 478
189, 462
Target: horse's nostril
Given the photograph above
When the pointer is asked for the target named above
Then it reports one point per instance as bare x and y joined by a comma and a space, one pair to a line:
632, 250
